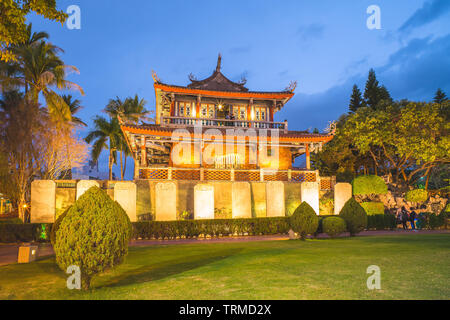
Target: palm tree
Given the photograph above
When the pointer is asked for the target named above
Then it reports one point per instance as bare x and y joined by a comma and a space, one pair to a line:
74, 106
39, 69
106, 135
131, 110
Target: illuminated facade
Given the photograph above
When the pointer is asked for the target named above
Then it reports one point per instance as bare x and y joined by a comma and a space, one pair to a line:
216, 129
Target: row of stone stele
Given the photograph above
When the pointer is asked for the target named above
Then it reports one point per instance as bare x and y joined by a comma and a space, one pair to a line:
43, 194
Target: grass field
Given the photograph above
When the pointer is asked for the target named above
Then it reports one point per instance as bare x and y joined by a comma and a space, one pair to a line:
412, 267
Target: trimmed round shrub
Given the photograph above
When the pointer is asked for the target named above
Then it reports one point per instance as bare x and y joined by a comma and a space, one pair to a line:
333, 226
304, 220
370, 184
417, 195
373, 208
355, 216
93, 235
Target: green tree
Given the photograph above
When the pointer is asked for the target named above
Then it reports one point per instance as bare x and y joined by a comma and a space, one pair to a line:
132, 110
39, 69
356, 100
74, 107
371, 92
106, 136
13, 28
376, 96
93, 235
440, 96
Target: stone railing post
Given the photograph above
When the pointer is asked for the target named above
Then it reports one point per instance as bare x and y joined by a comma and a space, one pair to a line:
169, 173
232, 174
261, 174
289, 174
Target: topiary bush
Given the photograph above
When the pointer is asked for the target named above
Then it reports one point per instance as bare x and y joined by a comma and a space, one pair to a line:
370, 184
355, 216
304, 220
334, 226
373, 208
417, 195
93, 235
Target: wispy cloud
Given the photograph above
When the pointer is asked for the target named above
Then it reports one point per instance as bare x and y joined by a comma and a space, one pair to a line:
240, 49
311, 31
430, 11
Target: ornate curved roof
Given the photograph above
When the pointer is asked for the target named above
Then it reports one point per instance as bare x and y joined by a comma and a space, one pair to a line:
217, 82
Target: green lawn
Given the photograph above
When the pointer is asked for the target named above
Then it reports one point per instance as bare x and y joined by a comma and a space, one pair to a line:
412, 267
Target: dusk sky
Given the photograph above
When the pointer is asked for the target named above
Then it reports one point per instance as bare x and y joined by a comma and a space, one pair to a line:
325, 45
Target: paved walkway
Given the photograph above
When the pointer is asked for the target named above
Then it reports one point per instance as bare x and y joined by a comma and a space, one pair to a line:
8, 252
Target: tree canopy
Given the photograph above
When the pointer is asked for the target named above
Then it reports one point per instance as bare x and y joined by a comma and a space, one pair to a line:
13, 27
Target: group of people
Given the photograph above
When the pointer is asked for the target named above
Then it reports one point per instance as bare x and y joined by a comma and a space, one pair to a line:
404, 216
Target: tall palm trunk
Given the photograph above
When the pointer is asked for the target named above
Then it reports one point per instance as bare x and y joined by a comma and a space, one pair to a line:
125, 164
110, 162
121, 165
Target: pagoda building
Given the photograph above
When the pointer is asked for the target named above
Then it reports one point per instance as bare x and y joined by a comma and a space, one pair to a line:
218, 130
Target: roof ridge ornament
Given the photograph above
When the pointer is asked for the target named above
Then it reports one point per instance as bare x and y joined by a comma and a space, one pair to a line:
291, 87
219, 62
155, 77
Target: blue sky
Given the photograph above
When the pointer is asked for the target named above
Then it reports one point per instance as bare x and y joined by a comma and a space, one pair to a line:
325, 45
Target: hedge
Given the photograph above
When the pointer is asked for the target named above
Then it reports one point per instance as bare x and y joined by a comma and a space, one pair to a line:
334, 226
10, 233
369, 184
381, 222
373, 208
29, 232
211, 228
417, 195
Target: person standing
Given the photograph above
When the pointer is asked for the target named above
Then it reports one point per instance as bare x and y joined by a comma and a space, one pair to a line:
405, 218
412, 218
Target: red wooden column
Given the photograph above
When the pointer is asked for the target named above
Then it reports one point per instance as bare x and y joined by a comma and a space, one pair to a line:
249, 112
172, 106
143, 152
197, 107
308, 157
272, 110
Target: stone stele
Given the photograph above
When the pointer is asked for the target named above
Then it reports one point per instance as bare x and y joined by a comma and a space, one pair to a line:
204, 201
342, 193
275, 199
310, 194
165, 201
84, 185
241, 200
125, 195
43, 193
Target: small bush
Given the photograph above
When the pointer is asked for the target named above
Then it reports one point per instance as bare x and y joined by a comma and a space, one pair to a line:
11, 221
365, 185
20, 232
304, 221
417, 195
355, 216
334, 226
93, 235
435, 221
373, 208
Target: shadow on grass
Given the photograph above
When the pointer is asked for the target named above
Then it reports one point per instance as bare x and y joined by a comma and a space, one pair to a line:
168, 268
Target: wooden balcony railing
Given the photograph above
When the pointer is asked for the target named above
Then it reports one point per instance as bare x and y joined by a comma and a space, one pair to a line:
206, 174
220, 123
